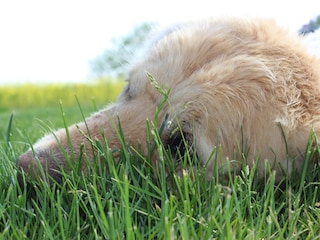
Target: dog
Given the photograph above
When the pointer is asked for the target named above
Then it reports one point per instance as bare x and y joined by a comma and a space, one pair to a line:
231, 82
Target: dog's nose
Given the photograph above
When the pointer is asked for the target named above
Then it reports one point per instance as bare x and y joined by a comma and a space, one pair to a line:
25, 161
37, 167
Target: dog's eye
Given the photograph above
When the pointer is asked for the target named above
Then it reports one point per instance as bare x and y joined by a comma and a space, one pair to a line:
126, 89
126, 92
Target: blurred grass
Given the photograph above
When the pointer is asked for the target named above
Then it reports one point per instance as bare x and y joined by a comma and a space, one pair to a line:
35, 107
31, 95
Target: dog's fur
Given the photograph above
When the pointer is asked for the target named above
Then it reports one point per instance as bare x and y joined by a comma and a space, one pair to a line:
233, 82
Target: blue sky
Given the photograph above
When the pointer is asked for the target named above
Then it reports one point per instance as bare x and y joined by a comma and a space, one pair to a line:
52, 41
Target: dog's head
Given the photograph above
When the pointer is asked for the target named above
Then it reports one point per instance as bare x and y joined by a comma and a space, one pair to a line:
193, 79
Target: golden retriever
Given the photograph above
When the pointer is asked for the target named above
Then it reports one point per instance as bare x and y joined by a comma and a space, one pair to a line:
233, 82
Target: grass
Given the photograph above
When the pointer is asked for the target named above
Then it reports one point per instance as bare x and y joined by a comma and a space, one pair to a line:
30, 95
132, 200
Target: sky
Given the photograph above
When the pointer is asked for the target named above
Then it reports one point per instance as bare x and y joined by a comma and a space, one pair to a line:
44, 41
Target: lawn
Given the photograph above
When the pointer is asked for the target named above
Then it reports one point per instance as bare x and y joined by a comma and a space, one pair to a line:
131, 200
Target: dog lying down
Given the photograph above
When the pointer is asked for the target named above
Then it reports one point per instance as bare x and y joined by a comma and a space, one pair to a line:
232, 82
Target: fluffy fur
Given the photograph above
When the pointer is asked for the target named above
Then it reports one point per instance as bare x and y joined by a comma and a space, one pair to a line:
233, 82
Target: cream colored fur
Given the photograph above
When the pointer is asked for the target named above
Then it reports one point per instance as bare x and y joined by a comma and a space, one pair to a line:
232, 82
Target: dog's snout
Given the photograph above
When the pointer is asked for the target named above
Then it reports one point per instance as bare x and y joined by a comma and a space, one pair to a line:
25, 161
36, 166
25, 164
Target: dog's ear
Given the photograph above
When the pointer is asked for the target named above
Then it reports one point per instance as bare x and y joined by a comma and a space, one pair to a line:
177, 138
179, 142
191, 139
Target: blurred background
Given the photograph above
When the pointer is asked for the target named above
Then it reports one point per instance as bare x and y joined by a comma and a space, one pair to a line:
52, 51
58, 41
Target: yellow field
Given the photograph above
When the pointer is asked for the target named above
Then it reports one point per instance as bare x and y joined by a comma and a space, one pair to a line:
30, 95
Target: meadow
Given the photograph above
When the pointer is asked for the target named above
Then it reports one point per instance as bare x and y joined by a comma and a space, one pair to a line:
129, 199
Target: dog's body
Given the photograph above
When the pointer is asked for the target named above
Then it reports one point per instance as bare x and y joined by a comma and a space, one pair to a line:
232, 82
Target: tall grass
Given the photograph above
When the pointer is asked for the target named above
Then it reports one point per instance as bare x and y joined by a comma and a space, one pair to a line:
130, 199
